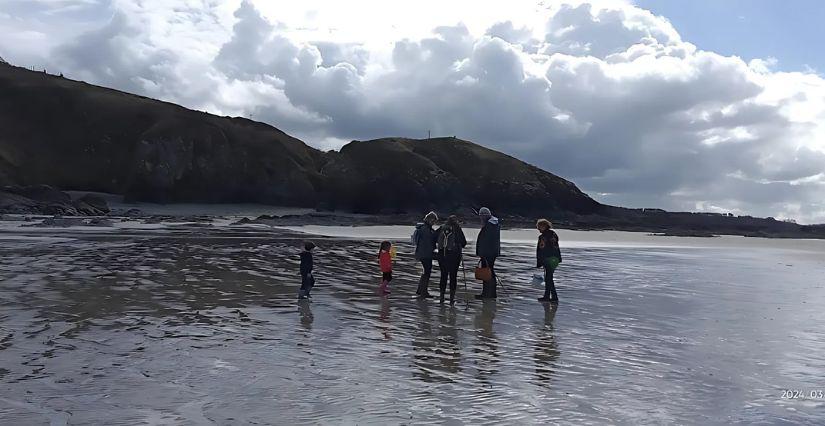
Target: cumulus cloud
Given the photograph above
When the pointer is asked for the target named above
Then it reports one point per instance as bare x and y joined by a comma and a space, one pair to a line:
605, 94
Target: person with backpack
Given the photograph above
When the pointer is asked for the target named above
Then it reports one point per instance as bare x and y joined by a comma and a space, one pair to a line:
451, 242
548, 256
488, 248
424, 239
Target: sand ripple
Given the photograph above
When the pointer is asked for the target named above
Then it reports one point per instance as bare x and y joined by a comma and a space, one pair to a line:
202, 326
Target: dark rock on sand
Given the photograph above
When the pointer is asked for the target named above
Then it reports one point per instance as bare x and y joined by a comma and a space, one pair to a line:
46, 200
94, 203
68, 222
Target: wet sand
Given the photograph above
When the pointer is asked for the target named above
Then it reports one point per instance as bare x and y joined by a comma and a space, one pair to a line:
195, 325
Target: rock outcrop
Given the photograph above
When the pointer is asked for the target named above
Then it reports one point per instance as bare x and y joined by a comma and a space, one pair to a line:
75, 136
46, 200
396, 175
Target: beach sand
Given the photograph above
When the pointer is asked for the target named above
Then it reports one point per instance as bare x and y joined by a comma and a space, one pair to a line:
197, 324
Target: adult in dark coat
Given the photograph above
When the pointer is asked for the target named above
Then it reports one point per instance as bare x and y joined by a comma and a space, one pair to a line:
424, 239
488, 248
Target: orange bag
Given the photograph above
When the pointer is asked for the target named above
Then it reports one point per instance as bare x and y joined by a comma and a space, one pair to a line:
484, 273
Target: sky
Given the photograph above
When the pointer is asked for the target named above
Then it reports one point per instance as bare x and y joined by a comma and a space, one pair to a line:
701, 105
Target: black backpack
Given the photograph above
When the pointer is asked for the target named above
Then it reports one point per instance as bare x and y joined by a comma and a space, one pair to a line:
448, 240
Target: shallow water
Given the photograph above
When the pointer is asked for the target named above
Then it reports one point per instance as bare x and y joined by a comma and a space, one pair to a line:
200, 325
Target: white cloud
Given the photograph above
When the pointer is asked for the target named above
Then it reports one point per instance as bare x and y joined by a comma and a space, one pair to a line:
604, 93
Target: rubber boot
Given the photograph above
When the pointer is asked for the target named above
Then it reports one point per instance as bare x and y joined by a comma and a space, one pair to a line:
485, 290
549, 293
423, 290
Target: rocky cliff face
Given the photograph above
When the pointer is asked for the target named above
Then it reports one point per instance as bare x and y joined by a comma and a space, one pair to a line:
447, 173
76, 136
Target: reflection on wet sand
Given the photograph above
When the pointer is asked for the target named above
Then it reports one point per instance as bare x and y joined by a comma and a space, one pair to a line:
305, 314
435, 346
546, 351
486, 348
384, 324
197, 326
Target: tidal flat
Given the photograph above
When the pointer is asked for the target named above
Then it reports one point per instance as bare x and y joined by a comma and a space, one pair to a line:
193, 323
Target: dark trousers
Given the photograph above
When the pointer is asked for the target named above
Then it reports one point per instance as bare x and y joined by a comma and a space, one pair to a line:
307, 282
449, 264
386, 276
549, 285
424, 281
489, 287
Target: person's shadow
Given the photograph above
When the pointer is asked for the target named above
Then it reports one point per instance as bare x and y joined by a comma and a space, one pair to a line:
546, 352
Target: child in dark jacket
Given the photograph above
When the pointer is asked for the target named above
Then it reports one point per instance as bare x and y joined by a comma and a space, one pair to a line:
307, 280
385, 261
548, 256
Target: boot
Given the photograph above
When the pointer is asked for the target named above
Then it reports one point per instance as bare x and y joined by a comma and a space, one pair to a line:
546, 297
549, 294
441, 300
452, 296
485, 291
421, 290
382, 289
554, 297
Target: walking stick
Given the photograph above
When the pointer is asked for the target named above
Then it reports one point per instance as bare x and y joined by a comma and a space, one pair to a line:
501, 283
466, 293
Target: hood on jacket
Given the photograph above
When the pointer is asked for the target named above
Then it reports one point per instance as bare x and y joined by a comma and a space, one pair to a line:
420, 225
493, 220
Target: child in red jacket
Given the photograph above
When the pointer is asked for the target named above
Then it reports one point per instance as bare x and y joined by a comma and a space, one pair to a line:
385, 260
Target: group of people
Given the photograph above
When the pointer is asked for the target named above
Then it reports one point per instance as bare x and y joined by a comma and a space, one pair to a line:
445, 245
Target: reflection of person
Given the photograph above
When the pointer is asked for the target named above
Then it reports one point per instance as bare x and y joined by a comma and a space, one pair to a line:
423, 343
449, 348
546, 351
385, 261
488, 247
307, 280
487, 349
436, 352
548, 256
384, 318
451, 241
305, 314
424, 239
